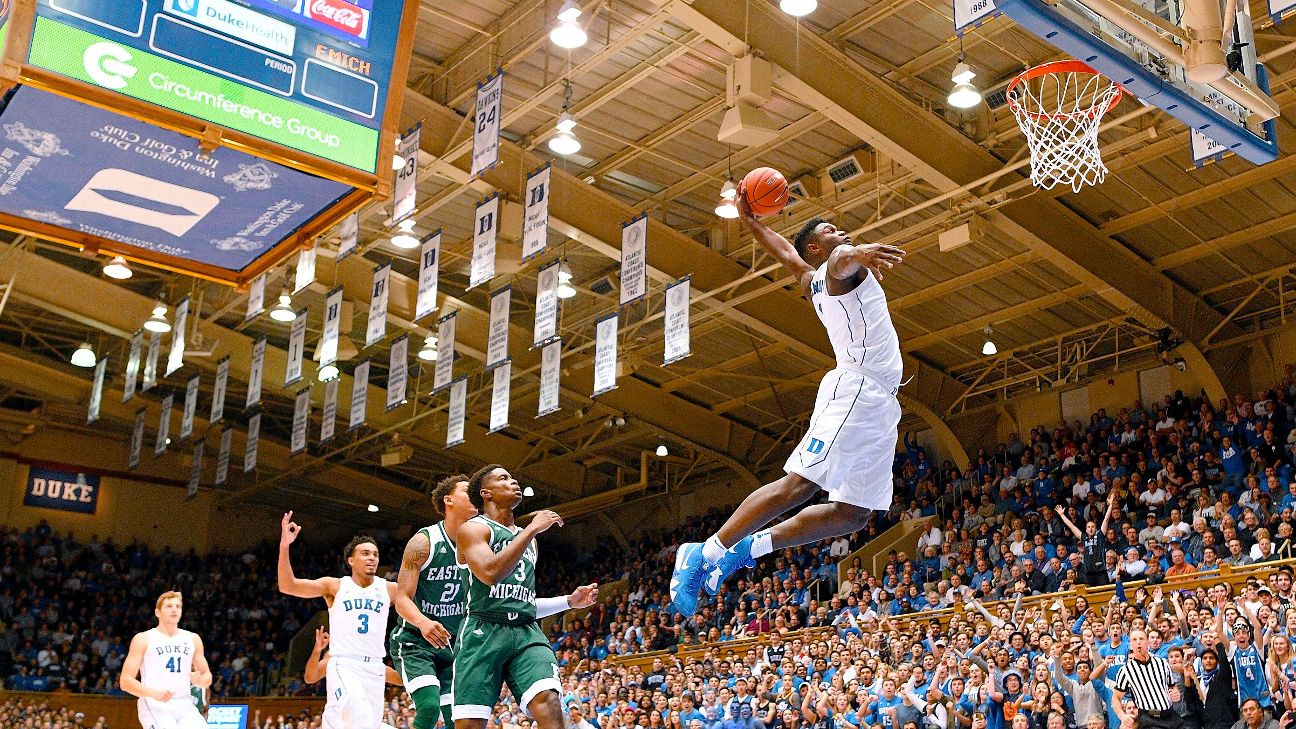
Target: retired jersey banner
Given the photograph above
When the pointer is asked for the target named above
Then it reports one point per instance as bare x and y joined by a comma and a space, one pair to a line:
190, 407
49, 488
132, 366
296, 349
164, 426
254, 374
634, 259
305, 269
675, 326
348, 236
253, 442
457, 411
535, 217
376, 329
497, 338
398, 372
151, 362
605, 354
429, 256
971, 13
175, 358
487, 117
137, 440
444, 372
301, 416
546, 304
485, 232
96, 390
550, 372
256, 298
196, 468
499, 412
223, 456
328, 416
218, 392
332, 327
406, 186
359, 395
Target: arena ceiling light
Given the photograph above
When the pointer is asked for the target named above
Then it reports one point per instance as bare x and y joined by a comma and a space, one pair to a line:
398, 163
798, 8
328, 372
405, 238
565, 290
564, 142
429, 351
117, 268
283, 311
84, 356
964, 95
568, 33
528, 492
662, 452
727, 209
158, 322
373, 508
989, 349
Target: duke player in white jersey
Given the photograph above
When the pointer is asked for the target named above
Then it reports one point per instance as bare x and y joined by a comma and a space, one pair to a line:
162, 665
358, 605
850, 444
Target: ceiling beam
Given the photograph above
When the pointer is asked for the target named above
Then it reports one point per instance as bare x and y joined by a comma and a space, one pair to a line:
1229, 241
944, 334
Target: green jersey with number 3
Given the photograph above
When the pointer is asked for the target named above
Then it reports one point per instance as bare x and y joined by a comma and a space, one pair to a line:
440, 590
511, 600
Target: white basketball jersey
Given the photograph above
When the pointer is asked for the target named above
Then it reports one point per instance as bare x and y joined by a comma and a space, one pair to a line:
859, 327
358, 620
168, 661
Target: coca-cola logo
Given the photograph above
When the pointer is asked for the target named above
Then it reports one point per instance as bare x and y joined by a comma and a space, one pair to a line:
339, 14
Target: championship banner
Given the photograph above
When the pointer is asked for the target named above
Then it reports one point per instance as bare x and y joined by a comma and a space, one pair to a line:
1204, 149
96, 390
296, 349
634, 259
218, 392
406, 187
132, 366
376, 329
329, 414
359, 395
485, 230
175, 358
605, 354
498, 335
429, 256
444, 372
196, 468
305, 269
137, 440
972, 13
164, 425
488, 114
550, 372
675, 326
190, 407
49, 488
499, 412
348, 236
253, 439
535, 218
223, 456
546, 304
254, 374
301, 416
332, 327
398, 372
458, 409
151, 362
256, 298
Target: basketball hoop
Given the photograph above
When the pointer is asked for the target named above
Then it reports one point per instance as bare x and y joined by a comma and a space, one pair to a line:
1059, 107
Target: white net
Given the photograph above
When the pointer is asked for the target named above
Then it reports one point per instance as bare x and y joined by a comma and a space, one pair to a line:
1059, 108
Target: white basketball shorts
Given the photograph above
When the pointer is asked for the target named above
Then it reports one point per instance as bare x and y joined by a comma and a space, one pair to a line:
851, 442
355, 693
178, 713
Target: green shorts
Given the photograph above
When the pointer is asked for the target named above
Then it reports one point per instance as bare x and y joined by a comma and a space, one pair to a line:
420, 665
488, 655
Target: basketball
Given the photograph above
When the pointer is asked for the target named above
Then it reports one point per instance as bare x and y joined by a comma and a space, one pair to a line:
765, 190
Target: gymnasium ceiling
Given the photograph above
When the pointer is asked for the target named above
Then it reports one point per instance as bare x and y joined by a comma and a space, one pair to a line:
1073, 284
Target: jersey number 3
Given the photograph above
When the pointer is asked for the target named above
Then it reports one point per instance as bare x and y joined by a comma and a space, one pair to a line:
364, 624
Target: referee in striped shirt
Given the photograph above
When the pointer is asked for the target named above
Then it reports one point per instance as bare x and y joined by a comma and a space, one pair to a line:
1147, 679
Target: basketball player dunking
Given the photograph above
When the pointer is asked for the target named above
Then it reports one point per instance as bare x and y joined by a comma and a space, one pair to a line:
850, 444
357, 607
162, 665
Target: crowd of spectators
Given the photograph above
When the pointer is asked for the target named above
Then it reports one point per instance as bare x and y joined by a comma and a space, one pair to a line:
28, 714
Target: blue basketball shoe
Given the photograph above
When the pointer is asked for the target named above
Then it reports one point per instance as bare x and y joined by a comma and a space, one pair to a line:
735, 558
686, 581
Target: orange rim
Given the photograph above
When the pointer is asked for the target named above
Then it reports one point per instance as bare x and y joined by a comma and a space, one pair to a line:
1059, 67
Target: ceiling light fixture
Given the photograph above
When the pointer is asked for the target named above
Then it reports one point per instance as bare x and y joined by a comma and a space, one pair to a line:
568, 33
798, 8
398, 163
528, 492
283, 310
429, 351
84, 356
564, 141
727, 209
118, 269
405, 238
964, 95
989, 349
328, 372
565, 290
158, 322
661, 451
373, 508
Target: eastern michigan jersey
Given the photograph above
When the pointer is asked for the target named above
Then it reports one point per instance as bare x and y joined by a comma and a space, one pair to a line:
859, 327
168, 661
511, 600
358, 619
440, 590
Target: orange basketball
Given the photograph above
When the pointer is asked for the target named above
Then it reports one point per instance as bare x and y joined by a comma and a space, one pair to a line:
765, 190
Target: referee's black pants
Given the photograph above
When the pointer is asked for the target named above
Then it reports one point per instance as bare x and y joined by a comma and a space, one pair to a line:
1168, 719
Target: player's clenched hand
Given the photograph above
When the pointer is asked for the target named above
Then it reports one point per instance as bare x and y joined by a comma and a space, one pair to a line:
436, 634
583, 596
545, 519
288, 530
164, 696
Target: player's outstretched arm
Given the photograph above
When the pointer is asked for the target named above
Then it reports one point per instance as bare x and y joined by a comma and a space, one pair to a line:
289, 583
129, 680
582, 597
490, 567
200, 674
776, 245
402, 592
846, 262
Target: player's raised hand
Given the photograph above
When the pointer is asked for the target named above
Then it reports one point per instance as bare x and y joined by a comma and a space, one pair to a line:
321, 639
583, 596
436, 634
545, 519
879, 255
288, 530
